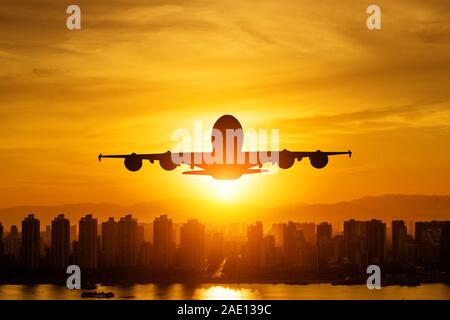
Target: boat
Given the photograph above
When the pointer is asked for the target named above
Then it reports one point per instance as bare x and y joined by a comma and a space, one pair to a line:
95, 294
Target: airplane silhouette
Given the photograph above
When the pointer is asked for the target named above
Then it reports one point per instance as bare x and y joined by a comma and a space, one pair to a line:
227, 161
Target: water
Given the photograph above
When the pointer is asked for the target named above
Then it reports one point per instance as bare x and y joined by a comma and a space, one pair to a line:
232, 291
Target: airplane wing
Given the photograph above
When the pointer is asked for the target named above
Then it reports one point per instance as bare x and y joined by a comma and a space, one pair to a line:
169, 161
286, 159
149, 156
306, 154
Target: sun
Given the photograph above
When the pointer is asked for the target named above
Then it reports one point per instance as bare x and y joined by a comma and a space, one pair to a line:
225, 190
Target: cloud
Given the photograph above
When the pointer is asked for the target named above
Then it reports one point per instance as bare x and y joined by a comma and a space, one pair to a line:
432, 114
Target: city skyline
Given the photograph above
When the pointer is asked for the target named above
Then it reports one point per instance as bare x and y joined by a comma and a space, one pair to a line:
164, 244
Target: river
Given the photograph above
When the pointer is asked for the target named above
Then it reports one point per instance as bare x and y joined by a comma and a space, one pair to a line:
434, 291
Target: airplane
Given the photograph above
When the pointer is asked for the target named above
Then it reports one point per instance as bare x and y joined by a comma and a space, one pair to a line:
227, 161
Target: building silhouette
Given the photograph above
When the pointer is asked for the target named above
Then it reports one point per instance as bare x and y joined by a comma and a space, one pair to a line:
30, 243
290, 243
355, 242
399, 241
1, 240
324, 243
127, 242
427, 236
192, 245
215, 247
87, 243
11, 243
60, 249
255, 245
339, 247
110, 243
163, 242
270, 251
376, 241
309, 231
238, 251
445, 246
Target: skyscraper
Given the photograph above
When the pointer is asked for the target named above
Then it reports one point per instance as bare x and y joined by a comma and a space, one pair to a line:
11, 243
1, 239
309, 231
163, 241
324, 243
87, 243
445, 245
110, 243
30, 242
192, 245
60, 250
215, 248
293, 245
270, 253
399, 240
355, 246
255, 244
127, 232
376, 241
428, 237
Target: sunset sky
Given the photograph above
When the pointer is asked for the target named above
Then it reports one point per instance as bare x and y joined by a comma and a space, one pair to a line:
140, 69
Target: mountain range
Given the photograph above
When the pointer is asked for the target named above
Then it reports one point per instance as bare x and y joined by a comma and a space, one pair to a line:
386, 208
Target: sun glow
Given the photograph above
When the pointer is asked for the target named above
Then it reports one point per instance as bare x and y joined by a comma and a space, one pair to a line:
226, 189
224, 293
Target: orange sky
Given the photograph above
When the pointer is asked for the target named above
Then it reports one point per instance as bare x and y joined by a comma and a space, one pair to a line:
138, 70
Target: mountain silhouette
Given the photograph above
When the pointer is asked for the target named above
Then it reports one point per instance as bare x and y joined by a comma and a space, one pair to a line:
387, 208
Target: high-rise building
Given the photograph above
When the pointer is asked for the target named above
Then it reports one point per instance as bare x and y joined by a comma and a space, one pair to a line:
277, 232
324, 243
11, 243
1, 239
60, 250
110, 243
255, 244
293, 245
355, 242
428, 237
445, 245
163, 241
30, 242
215, 248
270, 253
145, 254
399, 240
192, 245
87, 243
290, 243
127, 232
339, 246
375, 241
309, 231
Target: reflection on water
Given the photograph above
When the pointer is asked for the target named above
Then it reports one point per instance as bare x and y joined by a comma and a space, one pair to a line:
231, 291
224, 293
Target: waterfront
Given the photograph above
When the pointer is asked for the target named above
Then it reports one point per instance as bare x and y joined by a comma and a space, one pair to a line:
324, 291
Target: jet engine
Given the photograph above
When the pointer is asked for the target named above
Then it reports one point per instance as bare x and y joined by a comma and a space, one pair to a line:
286, 160
318, 160
133, 162
166, 162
